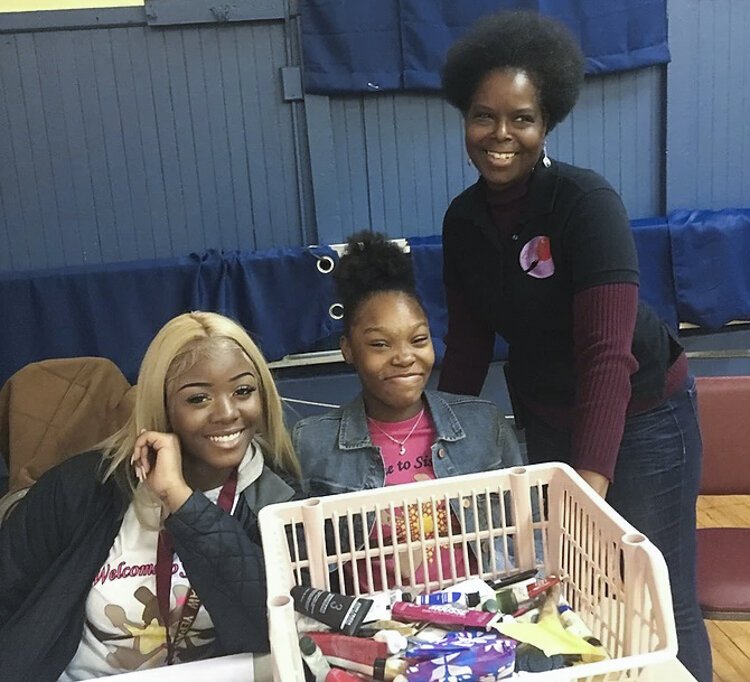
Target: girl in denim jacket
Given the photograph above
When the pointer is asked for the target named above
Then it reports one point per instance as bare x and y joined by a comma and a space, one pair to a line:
395, 431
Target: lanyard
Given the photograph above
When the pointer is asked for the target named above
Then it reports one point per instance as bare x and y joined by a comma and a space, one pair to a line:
164, 554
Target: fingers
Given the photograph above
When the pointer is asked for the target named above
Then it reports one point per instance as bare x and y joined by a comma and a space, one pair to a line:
140, 462
156, 455
140, 459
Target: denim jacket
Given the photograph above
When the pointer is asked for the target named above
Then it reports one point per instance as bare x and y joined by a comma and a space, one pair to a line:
337, 455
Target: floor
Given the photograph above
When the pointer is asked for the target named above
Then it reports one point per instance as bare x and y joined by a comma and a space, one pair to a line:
730, 640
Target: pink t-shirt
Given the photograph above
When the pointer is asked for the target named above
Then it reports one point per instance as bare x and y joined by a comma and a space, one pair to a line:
415, 464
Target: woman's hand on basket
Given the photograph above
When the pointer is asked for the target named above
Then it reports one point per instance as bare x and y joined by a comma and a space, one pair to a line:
599, 483
157, 461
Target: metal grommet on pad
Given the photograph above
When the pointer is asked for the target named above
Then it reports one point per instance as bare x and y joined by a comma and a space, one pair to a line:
336, 311
325, 264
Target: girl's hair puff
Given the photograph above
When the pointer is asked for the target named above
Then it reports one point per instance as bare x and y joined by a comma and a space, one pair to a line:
371, 264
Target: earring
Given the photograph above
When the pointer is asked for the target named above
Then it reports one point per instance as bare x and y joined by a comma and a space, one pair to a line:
545, 159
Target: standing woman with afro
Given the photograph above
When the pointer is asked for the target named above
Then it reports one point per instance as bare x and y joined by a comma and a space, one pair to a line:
541, 252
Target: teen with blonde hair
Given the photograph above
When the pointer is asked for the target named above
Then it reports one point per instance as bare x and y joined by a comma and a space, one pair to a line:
146, 551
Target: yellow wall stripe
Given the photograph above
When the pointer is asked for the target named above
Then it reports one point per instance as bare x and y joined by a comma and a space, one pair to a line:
37, 5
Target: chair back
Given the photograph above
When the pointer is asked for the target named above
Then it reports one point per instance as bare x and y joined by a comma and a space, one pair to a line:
724, 407
52, 409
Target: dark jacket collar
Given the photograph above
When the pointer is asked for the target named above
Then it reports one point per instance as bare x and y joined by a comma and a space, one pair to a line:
540, 199
268, 488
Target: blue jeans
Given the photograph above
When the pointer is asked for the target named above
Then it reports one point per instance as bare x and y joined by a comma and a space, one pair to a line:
655, 488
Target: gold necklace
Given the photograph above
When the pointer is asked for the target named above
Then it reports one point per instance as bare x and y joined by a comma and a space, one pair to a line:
401, 443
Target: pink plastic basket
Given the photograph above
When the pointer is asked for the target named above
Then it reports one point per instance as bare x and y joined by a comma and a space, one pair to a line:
541, 515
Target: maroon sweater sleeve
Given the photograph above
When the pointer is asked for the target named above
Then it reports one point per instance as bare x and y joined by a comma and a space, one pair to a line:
603, 323
469, 346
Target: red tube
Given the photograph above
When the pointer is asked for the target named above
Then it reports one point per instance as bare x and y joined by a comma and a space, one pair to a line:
339, 675
441, 615
352, 653
541, 586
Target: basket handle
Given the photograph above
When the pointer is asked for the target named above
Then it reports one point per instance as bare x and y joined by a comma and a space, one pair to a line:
522, 517
313, 522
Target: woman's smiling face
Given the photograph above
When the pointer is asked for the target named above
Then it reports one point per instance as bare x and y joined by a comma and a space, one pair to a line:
214, 408
504, 128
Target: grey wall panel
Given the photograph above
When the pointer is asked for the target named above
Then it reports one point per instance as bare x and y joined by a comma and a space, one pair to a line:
400, 159
167, 178
278, 139
616, 129
320, 143
121, 141
101, 152
46, 103
238, 181
124, 232
708, 104
351, 163
303, 160
382, 163
148, 151
134, 150
169, 12
12, 218
27, 224
82, 243
129, 142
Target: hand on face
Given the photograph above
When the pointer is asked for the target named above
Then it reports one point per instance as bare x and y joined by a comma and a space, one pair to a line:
157, 460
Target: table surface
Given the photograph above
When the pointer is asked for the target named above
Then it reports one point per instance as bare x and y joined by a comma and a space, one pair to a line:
240, 668
237, 668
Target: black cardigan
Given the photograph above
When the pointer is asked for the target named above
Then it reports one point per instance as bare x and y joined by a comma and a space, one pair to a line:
591, 244
58, 537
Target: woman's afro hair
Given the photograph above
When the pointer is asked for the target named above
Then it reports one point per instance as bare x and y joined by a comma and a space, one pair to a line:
526, 41
371, 264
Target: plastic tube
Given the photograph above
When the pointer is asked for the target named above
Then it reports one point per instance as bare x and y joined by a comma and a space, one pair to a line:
339, 675
314, 659
442, 615
339, 611
352, 653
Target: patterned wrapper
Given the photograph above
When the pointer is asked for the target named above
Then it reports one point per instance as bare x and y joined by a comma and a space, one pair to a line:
477, 657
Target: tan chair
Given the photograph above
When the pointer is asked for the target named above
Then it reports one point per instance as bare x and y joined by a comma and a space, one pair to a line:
53, 409
724, 553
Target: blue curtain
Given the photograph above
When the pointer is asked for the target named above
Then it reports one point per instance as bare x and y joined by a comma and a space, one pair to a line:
711, 264
694, 268
363, 46
114, 310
